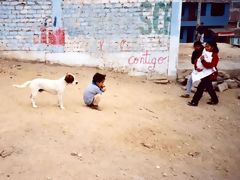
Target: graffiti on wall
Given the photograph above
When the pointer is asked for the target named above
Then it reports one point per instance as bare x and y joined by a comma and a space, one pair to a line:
147, 59
49, 36
139, 29
122, 45
154, 12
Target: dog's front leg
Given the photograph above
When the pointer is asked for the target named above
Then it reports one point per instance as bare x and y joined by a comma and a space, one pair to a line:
32, 97
60, 101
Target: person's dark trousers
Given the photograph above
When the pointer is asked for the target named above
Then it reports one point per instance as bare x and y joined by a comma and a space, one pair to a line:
205, 84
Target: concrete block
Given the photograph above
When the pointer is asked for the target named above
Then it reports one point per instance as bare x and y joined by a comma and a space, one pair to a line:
238, 78
223, 75
183, 73
182, 81
222, 87
194, 89
231, 83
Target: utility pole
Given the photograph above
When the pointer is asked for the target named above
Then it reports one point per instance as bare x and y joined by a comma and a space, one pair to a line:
199, 12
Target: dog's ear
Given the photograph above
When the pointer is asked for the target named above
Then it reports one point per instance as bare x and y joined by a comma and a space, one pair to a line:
69, 78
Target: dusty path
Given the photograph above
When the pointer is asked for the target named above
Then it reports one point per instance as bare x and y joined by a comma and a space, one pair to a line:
145, 131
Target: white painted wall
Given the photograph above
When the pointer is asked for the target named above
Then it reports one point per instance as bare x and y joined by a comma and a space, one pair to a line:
137, 36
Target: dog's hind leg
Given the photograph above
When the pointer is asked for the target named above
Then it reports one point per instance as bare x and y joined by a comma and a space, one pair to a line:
32, 97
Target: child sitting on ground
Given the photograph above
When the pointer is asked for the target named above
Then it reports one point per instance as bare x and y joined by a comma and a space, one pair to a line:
198, 49
91, 95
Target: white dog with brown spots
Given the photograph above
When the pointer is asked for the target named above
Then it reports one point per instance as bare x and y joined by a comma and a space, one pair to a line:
52, 86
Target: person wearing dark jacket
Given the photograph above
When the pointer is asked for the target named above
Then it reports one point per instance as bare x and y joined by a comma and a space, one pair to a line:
206, 82
200, 32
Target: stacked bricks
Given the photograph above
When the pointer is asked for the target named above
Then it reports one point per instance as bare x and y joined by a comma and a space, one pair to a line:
21, 22
116, 26
89, 26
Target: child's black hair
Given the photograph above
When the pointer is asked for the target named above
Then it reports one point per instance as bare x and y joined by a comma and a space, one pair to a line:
97, 78
197, 43
213, 44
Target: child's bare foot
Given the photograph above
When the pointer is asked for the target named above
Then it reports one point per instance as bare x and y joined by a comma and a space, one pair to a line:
94, 107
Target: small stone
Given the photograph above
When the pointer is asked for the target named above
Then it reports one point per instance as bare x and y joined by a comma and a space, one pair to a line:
164, 174
194, 154
147, 145
226, 170
161, 81
76, 154
6, 152
157, 167
213, 147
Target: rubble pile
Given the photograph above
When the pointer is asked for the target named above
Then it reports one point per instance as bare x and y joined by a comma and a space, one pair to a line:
224, 81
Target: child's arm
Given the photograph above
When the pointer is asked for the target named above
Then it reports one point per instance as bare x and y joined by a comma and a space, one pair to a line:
193, 58
211, 64
196, 67
103, 88
97, 90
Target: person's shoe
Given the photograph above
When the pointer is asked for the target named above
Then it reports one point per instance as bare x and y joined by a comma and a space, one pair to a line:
185, 96
192, 103
212, 103
94, 107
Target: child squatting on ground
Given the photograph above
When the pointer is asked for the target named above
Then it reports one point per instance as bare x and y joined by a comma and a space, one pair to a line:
198, 49
92, 93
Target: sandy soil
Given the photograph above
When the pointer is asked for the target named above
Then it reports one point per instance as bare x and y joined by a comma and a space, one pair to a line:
145, 131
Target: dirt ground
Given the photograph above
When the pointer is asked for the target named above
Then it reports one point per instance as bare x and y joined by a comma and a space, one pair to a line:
145, 131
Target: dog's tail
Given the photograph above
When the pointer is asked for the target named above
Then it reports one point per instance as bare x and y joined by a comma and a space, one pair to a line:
22, 85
